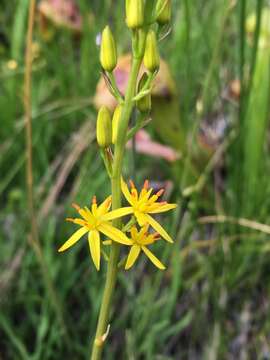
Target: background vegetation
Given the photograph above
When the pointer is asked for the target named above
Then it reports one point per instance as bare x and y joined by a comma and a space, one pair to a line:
212, 302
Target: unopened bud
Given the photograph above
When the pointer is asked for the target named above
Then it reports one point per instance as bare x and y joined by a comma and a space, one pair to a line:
134, 13
104, 127
144, 104
151, 56
108, 52
164, 12
115, 122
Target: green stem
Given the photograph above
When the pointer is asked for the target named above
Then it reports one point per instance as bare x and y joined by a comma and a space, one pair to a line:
116, 203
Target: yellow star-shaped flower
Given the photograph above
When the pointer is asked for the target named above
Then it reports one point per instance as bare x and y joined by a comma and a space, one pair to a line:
143, 204
140, 240
95, 222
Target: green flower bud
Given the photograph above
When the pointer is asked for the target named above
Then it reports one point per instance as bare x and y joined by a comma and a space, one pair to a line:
151, 55
134, 13
144, 104
108, 52
104, 127
115, 122
164, 16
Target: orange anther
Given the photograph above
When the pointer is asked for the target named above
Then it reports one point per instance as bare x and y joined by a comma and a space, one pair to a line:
76, 206
146, 184
132, 184
160, 192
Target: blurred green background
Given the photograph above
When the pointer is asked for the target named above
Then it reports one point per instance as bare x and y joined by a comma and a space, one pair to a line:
212, 302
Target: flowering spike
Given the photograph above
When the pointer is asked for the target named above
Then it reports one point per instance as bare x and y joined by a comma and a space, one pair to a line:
134, 13
151, 58
108, 52
104, 127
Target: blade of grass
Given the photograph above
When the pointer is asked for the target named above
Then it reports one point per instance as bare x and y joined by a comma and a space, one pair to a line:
34, 236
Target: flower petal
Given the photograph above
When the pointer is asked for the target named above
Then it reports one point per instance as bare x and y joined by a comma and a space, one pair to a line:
126, 192
158, 228
118, 213
94, 245
114, 233
105, 206
141, 218
132, 256
153, 258
86, 214
163, 208
73, 239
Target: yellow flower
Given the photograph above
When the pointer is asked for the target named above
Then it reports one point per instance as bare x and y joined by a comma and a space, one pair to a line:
143, 204
140, 240
95, 222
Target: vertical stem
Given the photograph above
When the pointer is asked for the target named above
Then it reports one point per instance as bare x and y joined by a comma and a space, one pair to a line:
28, 121
116, 203
34, 237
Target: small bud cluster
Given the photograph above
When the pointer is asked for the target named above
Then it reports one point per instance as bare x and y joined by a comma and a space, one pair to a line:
145, 46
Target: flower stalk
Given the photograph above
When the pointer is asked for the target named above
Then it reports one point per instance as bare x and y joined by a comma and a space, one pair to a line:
112, 269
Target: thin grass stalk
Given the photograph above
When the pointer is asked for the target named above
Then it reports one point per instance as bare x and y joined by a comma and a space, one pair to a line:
239, 153
34, 236
255, 42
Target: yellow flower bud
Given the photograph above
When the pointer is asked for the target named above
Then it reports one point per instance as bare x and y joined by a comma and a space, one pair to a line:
104, 127
108, 52
151, 56
134, 13
165, 15
144, 104
115, 122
